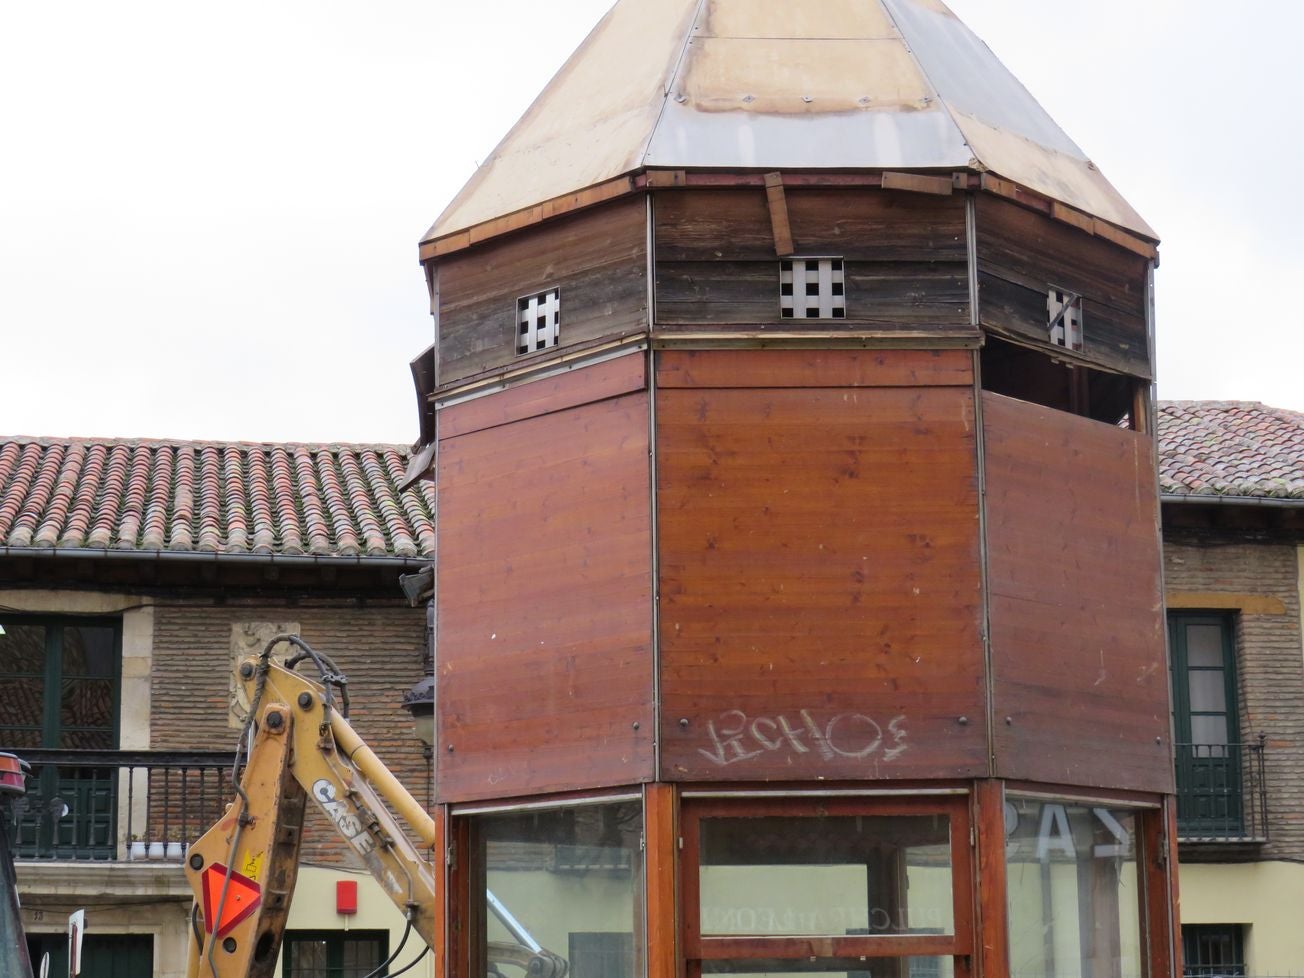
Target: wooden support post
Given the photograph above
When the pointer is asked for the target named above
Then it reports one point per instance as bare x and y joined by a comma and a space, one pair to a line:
993, 909
439, 852
661, 835
778, 214
1160, 916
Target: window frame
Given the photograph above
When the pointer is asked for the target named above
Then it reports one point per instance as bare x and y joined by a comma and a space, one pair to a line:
698, 948
1177, 647
334, 938
1191, 934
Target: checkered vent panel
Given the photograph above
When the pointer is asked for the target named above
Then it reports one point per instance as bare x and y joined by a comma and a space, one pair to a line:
812, 288
538, 321
1064, 316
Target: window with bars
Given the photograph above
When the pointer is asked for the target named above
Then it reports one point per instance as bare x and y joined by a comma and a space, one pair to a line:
538, 321
1213, 951
812, 288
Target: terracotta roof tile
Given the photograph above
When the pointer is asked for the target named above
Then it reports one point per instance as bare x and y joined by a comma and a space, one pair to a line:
1230, 448
231, 498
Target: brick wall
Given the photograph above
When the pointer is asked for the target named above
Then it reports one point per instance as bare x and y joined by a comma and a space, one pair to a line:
1270, 664
379, 648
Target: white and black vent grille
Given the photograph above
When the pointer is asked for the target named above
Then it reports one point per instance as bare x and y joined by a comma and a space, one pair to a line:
538, 321
812, 288
1064, 318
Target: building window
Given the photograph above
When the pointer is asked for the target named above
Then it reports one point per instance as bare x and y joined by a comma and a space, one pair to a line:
866, 882
538, 321
1210, 761
812, 288
1213, 951
59, 690
558, 889
1073, 888
334, 953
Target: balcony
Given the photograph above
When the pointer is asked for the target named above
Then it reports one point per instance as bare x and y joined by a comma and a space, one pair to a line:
1221, 797
119, 806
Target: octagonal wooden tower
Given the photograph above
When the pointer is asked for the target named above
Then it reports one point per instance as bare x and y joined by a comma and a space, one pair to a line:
798, 587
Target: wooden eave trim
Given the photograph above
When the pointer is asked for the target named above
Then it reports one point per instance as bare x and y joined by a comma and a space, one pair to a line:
1081, 220
1069, 357
664, 179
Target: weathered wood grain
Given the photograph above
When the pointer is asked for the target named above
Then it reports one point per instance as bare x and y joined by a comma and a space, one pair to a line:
544, 665
819, 583
597, 258
814, 368
1080, 687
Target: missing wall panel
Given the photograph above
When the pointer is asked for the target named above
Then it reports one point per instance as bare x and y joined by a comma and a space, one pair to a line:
538, 321
812, 288
1035, 376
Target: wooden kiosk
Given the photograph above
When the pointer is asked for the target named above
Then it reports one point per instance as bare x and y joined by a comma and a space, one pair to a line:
798, 583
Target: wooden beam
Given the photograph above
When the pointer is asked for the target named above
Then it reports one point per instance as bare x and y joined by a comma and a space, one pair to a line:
993, 909
918, 183
1248, 604
774, 196
662, 836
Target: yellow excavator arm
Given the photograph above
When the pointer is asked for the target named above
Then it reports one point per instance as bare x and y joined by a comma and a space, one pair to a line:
301, 749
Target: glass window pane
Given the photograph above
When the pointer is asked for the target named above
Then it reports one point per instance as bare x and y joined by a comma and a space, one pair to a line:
1204, 645
88, 650
557, 877
835, 968
829, 875
1073, 890
1209, 730
1208, 690
22, 649
22, 711
86, 712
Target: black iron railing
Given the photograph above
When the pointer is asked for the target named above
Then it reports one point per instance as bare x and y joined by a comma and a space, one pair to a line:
1221, 796
119, 805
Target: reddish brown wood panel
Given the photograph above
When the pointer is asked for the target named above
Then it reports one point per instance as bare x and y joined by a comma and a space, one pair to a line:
597, 259
905, 256
608, 379
1021, 254
814, 368
819, 613
992, 907
661, 830
544, 667
1080, 682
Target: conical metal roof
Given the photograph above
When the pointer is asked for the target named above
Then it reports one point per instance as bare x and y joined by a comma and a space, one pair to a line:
781, 84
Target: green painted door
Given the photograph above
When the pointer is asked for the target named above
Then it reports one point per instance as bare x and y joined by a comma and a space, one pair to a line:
59, 689
103, 955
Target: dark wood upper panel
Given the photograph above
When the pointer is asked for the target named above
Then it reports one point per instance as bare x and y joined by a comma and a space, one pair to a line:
544, 664
1080, 682
814, 368
820, 597
905, 256
598, 259
1022, 254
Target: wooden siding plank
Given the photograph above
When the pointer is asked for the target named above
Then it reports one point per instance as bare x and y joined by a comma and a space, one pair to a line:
813, 368
597, 259
819, 584
1021, 254
611, 378
1075, 608
544, 663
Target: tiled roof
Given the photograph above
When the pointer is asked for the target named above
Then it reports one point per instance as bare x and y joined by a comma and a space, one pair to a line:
224, 498
1230, 448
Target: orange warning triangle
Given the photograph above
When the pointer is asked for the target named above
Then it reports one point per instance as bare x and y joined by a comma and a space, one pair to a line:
243, 896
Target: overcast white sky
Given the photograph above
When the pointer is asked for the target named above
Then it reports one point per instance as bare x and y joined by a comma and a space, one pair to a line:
209, 214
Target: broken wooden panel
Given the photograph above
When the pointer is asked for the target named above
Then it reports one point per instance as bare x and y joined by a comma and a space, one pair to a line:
904, 256
1023, 255
598, 261
1080, 685
820, 598
544, 664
